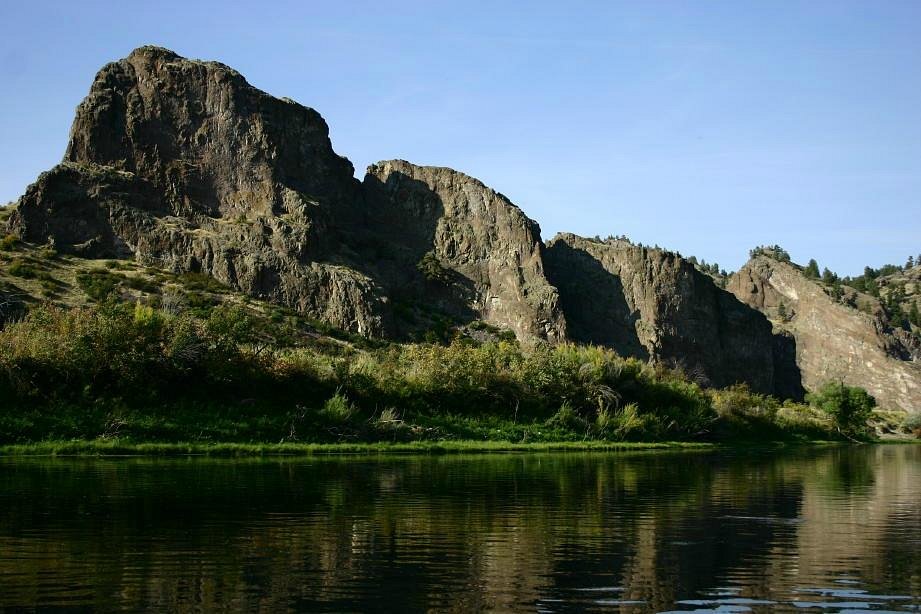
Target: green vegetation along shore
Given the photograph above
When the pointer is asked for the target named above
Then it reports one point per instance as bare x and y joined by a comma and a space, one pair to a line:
109, 447
120, 377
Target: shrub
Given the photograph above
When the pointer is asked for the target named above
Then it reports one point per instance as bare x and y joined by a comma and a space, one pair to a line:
338, 409
567, 418
98, 284
912, 424
22, 269
849, 407
8, 242
738, 402
432, 269
119, 351
143, 284
201, 282
630, 424
135, 356
605, 421
200, 304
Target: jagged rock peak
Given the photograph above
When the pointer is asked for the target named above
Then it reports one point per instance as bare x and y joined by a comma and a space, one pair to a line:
481, 235
385, 167
198, 130
162, 54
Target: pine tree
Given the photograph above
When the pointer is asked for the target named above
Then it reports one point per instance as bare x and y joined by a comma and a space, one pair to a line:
913, 316
828, 276
812, 269
910, 263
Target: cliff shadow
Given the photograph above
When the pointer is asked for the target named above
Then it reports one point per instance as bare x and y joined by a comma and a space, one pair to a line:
393, 234
788, 379
592, 300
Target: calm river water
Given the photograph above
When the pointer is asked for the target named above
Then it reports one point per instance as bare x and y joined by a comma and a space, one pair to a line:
826, 530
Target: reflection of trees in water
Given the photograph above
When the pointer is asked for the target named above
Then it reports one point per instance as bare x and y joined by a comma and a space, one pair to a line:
449, 532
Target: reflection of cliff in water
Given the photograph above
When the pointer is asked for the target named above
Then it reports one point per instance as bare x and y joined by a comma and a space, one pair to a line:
461, 533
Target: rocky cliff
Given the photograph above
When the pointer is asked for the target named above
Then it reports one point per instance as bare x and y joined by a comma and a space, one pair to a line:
654, 304
834, 340
491, 248
182, 164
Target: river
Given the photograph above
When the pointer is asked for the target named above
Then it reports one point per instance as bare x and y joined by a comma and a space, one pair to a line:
823, 529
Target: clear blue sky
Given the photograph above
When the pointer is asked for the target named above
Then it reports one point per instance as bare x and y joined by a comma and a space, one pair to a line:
708, 127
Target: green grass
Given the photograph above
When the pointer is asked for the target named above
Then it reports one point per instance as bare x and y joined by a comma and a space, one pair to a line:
108, 447
120, 447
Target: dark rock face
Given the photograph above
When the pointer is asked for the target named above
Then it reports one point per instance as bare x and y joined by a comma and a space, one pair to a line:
183, 165
493, 248
211, 143
652, 304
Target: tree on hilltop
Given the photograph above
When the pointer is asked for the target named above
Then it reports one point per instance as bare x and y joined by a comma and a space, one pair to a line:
812, 269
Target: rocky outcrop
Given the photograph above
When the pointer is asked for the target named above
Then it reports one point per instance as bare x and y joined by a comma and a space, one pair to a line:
654, 304
834, 341
184, 165
477, 233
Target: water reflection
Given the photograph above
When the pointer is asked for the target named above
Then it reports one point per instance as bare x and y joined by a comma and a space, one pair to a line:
821, 530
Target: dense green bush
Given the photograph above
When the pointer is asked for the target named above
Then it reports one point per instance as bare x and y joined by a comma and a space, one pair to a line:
202, 282
120, 351
432, 269
98, 284
849, 407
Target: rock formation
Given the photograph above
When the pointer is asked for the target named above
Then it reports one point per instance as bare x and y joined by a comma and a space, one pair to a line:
183, 165
834, 341
480, 236
654, 304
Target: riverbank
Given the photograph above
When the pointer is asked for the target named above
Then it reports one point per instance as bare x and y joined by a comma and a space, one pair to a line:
225, 381
126, 448
122, 448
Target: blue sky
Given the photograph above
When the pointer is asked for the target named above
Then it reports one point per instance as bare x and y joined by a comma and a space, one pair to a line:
708, 127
